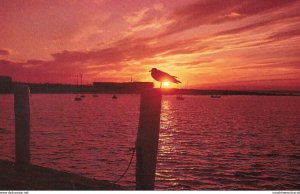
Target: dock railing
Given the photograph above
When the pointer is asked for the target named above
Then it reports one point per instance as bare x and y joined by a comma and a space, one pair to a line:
147, 135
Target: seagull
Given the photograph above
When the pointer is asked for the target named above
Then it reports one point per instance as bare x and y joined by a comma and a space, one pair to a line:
163, 76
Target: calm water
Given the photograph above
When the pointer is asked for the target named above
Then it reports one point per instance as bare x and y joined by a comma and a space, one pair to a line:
235, 142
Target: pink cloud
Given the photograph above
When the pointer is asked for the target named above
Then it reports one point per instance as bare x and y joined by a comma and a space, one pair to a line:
136, 16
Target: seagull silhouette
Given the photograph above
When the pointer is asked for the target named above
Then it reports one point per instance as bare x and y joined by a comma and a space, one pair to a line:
163, 76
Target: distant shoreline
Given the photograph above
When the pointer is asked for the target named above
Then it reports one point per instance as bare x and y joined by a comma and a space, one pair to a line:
134, 88
191, 92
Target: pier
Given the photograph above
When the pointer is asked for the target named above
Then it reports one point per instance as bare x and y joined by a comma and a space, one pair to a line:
41, 178
22, 175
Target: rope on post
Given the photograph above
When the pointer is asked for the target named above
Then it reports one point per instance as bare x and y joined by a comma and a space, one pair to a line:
129, 164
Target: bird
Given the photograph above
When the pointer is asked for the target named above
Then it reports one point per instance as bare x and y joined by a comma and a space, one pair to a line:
163, 76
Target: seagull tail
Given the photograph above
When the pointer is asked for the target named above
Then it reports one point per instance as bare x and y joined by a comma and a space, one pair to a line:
176, 81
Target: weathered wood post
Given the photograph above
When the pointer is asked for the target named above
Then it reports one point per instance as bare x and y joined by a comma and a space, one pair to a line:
22, 125
147, 139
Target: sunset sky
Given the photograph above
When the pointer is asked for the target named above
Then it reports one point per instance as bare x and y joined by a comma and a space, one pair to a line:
207, 44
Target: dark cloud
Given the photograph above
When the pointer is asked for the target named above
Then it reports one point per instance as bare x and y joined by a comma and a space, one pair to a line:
279, 36
294, 32
105, 56
245, 28
217, 11
9, 67
124, 50
253, 7
4, 52
294, 65
114, 58
18, 71
263, 23
38, 74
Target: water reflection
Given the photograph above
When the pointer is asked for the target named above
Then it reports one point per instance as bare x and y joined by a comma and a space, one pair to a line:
166, 137
237, 142
167, 146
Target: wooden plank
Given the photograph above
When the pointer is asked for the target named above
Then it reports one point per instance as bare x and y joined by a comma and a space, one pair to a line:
147, 139
22, 125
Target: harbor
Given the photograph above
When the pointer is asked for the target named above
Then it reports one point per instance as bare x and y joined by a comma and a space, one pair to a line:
41, 178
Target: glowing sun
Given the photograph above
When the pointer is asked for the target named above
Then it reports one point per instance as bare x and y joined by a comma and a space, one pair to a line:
166, 84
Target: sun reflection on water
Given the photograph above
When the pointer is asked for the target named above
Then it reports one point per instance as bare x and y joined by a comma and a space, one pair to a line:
167, 148
166, 137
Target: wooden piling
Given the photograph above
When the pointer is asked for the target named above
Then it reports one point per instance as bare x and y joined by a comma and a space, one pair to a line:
147, 139
22, 125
